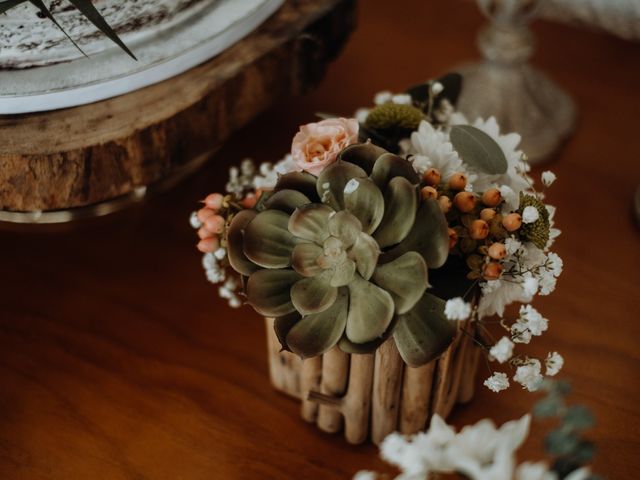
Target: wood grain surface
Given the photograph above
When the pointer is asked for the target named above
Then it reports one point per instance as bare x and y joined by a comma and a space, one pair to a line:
118, 361
80, 156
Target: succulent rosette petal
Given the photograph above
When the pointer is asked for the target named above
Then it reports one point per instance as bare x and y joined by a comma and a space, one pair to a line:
343, 258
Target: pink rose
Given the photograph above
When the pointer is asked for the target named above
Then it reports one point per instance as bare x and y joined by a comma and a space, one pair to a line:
317, 145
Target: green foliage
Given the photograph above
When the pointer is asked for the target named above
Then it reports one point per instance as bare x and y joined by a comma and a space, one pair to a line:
478, 149
565, 441
85, 7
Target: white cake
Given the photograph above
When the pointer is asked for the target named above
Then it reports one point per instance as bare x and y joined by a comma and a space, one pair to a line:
27, 40
42, 70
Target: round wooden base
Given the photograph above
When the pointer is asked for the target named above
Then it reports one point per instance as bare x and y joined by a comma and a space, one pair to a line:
104, 152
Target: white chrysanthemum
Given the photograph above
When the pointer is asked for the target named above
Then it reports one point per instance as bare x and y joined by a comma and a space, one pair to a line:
508, 143
520, 333
530, 214
548, 178
431, 148
553, 364
497, 382
529, 375
534, 321
503, 350
457, 309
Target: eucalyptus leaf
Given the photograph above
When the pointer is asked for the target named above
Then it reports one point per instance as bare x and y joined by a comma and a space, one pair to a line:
560, 442
424, 333
478, 149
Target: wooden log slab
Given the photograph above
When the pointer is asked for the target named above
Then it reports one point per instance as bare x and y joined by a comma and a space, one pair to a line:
387, 386
95, 153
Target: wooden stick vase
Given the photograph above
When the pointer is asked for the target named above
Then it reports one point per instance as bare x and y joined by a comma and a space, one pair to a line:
370, 396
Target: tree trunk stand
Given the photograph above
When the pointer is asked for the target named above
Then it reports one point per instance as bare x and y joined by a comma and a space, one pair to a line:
90, 160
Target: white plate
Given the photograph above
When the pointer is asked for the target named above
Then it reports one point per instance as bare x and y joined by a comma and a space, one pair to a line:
110, 73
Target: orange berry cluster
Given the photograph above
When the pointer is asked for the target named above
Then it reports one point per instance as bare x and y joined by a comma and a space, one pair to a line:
477, 229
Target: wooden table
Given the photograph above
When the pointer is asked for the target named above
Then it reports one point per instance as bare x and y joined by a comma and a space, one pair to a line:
117, 359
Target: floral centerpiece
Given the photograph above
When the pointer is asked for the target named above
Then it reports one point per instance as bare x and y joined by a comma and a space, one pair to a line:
406, 225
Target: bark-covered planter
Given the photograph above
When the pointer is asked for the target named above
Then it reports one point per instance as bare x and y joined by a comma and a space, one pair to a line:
370, 396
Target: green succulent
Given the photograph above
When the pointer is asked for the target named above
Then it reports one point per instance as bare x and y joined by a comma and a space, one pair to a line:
343, 258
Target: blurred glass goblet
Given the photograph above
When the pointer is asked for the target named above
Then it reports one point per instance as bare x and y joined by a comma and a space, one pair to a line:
505, 86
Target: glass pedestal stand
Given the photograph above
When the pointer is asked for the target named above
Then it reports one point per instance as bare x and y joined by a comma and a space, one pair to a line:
505, 86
